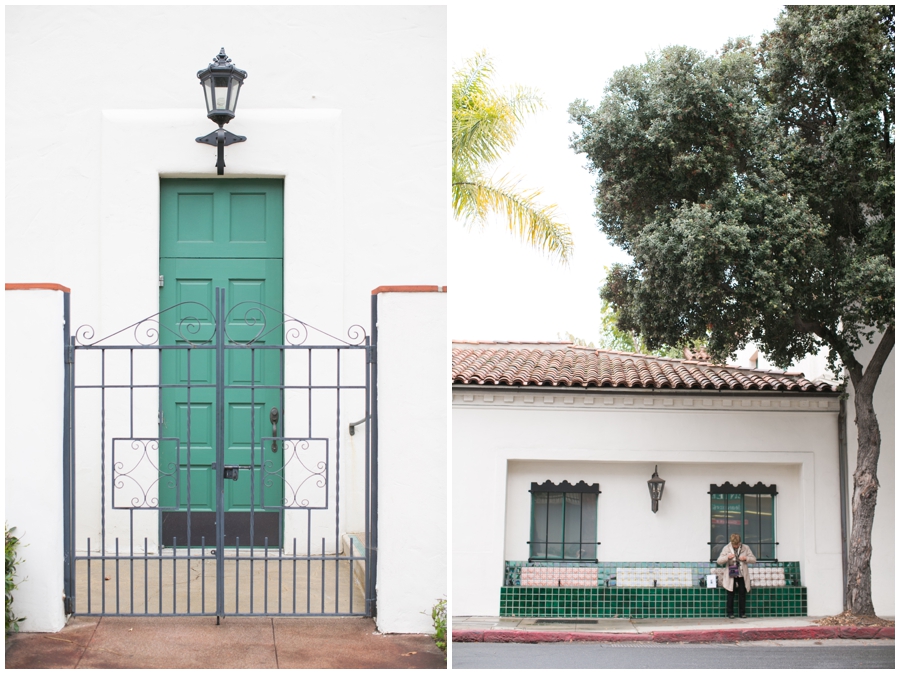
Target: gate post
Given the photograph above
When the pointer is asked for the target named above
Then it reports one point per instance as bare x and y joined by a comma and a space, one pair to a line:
35, 483
372, 466
410, 448
68, 462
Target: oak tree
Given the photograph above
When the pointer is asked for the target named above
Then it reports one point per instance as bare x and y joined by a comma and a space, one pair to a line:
754, 190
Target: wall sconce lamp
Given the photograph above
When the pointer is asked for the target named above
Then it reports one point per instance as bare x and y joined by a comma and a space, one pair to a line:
221, 83
656, 484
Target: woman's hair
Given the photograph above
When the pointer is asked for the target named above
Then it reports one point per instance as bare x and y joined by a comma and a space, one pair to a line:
735, 539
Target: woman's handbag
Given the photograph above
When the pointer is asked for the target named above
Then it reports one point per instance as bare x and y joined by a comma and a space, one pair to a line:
734, 570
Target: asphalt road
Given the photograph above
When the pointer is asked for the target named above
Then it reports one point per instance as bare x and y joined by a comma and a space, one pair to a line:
827, 654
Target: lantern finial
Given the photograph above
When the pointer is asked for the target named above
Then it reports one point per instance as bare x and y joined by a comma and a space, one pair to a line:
221, 58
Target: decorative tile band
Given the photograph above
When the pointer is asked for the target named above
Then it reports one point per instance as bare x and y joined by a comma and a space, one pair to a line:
616, 399
641, 574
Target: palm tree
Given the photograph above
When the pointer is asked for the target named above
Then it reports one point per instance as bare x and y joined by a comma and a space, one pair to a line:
485, 125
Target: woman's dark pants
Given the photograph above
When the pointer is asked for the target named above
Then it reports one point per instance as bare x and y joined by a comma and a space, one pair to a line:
741, 590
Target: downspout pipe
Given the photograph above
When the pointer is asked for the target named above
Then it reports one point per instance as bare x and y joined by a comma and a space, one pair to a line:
843, 476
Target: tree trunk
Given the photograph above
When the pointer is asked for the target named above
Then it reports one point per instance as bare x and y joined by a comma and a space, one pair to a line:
865, 491
865, 479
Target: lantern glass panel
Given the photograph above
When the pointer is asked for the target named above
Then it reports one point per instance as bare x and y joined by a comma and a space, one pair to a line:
221, 92
207, 90
235, 89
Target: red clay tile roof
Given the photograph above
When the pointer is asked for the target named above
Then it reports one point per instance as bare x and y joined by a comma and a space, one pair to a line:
563, 364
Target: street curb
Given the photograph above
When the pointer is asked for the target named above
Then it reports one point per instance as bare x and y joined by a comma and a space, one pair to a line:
676, 636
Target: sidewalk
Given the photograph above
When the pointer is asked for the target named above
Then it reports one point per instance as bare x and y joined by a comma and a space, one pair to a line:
690, 630
238, 643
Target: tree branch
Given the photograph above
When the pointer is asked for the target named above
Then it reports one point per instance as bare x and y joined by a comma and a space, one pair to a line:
848, 358
876, 363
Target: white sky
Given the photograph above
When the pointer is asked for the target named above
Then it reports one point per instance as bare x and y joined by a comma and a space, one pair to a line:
499, 288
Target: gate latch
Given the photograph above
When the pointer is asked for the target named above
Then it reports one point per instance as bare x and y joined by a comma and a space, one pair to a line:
229, 472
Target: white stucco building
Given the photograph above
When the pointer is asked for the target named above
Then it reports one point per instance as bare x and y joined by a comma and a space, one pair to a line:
334, 208
553, 447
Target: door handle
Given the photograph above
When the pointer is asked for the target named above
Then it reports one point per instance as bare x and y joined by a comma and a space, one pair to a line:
273, 417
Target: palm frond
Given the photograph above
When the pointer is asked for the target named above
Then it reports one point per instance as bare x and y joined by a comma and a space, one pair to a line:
486, 122
536, 225
485, 125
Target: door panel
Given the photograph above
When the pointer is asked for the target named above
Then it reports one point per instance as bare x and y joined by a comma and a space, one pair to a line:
200, 218
222, 218
256, 281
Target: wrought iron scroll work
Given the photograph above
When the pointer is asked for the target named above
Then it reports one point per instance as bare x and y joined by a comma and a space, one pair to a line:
581, 487
121, 477
743, 488
311, 474
147, 330
296, 332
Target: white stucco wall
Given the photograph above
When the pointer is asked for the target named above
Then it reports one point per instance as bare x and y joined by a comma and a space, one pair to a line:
515, 437
883, 563
675, 533
34, 446
412, 458
348, 105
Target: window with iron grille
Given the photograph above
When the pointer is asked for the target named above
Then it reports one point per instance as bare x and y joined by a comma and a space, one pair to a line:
563, 521
744, 510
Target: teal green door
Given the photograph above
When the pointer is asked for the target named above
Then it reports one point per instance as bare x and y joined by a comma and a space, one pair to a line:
226, 234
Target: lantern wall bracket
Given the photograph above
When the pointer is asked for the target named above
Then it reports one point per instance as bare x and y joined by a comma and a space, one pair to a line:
220, 138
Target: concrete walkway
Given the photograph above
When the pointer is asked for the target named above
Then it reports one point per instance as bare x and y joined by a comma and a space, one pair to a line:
238, 643
690, 630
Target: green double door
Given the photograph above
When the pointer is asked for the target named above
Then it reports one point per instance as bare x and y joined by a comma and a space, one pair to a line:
226, 234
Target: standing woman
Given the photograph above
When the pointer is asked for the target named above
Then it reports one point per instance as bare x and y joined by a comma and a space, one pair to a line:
736, 557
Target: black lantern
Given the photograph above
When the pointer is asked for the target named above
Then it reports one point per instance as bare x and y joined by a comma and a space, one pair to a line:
221, 83
656, 484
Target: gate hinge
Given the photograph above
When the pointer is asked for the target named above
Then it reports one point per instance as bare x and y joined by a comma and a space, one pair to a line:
162, 280
70, 354
370, 355
68, 605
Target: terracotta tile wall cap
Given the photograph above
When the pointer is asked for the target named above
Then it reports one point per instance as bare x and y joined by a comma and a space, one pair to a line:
37, 286
409, 289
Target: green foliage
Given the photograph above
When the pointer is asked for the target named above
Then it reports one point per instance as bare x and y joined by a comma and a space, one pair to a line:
439, 619
12, 561
615, 339
485, 125
754, 189
577, 341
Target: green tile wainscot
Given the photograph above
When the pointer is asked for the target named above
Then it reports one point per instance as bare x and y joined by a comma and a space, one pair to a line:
607, 599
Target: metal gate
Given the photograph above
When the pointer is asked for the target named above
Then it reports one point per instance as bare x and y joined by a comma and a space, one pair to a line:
162, 519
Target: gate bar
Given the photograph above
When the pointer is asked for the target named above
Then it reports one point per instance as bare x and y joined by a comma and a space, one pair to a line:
220, 455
